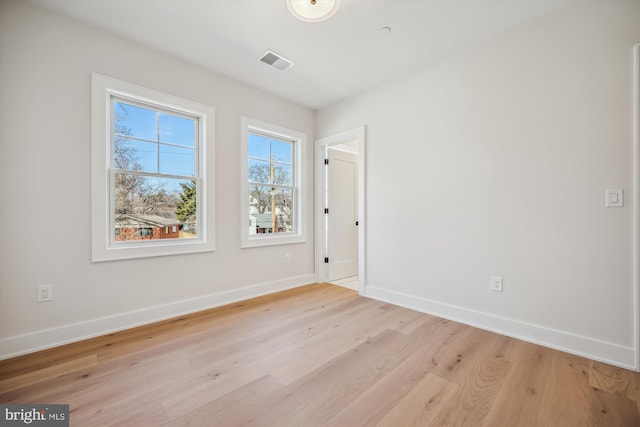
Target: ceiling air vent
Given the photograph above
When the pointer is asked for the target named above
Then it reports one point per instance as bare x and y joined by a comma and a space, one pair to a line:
275, 60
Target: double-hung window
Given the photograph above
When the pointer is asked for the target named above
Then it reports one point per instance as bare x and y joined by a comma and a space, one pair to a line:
151, 195
271, 184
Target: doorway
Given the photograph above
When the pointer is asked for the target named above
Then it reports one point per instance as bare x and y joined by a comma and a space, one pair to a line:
340, 225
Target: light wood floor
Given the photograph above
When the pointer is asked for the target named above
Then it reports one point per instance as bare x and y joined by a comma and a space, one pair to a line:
315, 356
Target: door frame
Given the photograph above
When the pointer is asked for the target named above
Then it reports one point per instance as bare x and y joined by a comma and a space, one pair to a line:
320, 190
636, 205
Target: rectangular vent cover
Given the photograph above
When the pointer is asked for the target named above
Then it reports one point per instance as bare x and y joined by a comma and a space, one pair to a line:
277, 61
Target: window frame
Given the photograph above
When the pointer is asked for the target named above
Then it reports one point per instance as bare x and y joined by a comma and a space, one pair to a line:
298, 139
103, 245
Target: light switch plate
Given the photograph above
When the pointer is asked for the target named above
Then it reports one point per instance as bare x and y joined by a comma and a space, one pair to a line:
615, 198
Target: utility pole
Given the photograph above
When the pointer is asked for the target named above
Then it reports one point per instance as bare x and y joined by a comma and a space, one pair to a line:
273, 195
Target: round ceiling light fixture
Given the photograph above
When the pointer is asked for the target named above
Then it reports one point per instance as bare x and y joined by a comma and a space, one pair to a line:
313, 10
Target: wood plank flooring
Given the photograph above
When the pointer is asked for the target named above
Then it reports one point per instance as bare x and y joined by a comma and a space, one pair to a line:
320, 355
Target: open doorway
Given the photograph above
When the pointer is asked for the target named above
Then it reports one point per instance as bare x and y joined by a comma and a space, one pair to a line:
340, 226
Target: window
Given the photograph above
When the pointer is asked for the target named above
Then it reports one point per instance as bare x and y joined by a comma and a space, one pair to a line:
271, 184
150, 157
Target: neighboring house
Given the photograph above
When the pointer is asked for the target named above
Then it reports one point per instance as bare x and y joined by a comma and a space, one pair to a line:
263, 223
143, 227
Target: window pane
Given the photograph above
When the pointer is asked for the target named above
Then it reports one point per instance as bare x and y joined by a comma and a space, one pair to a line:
131, 120
259, 171
259, 147
177, 130
282, 151
135, 155
269, 206
177, 160
148, 208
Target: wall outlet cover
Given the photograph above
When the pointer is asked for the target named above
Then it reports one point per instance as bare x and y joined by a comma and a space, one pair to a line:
45, 293
496, 283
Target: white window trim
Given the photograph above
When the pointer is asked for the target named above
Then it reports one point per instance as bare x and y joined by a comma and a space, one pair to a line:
102, 249
299, 139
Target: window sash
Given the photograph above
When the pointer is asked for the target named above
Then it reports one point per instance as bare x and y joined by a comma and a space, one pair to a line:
157, 109
199, 223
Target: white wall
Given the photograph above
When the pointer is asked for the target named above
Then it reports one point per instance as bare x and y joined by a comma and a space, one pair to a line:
500, 156
45, 79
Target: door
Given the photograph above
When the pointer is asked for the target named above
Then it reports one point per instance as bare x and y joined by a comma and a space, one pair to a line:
342, 216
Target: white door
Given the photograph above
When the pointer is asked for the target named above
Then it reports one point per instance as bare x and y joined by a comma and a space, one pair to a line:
342, 217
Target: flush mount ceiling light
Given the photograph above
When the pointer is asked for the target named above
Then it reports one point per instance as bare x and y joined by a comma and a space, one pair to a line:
313, 10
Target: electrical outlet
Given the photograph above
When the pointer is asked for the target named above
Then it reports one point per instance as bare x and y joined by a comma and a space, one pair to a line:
45, 293
287, 257
615, 198
496, 283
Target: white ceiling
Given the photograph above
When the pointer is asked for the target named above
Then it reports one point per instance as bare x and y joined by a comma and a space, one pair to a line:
334, 59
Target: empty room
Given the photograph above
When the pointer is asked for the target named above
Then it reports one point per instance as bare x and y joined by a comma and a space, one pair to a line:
320, 212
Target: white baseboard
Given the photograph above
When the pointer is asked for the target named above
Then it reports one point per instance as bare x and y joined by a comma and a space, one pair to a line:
53, 337
602, 351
